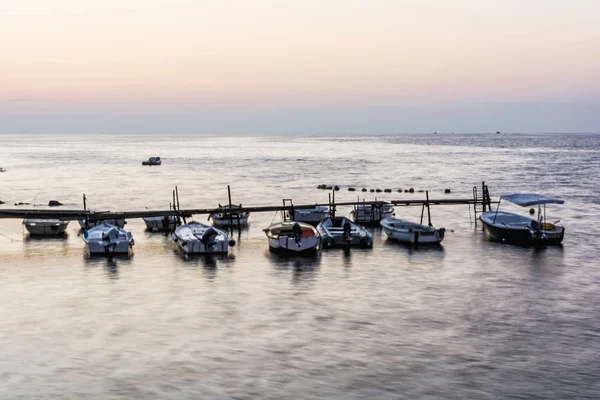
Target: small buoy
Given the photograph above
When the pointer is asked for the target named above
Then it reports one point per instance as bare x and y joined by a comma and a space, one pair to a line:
411, 190
372, 190
351, 189
532, 211
378, 190
336, 188
54, 203
446, 190
364, 189
387, 190
399, 190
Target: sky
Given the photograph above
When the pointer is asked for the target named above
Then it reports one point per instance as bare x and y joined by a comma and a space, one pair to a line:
302, 66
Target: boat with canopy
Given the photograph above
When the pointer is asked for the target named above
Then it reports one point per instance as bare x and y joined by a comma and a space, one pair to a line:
520, 229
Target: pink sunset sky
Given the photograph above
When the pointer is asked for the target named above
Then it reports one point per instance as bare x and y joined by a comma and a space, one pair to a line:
262, 66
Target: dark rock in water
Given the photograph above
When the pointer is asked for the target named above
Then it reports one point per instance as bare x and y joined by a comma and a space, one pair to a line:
378, 190
351, 189
387, 190
321, 187
405, 190
399, 190
1, 202
54, 203
336, 188
421, 190
372, 190
364, 189
411, 190
446, 190
328, 187
22, 204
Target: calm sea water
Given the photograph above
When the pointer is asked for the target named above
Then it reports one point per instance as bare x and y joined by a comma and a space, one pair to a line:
472, 319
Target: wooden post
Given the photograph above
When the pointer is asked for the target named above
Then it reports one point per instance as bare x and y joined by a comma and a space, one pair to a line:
428, 211
84, 202
230, 210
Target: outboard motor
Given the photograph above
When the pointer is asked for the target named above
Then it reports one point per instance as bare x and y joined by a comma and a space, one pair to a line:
208, 237
297, 231
347, 232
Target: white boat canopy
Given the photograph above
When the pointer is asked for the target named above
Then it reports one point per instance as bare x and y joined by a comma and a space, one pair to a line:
530, 199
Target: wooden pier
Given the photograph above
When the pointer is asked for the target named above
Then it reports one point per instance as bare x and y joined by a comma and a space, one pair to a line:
484, 201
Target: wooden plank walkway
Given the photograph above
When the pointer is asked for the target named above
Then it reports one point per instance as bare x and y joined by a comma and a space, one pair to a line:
72, 215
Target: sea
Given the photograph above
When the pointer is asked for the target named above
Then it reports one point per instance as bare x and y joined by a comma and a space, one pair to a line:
470, 319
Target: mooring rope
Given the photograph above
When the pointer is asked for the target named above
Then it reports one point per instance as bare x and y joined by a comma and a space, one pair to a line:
9, 238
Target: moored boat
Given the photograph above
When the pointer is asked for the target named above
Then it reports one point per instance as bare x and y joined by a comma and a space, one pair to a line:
108, 240
310, 216
227, 216
45, 227
371, 214
120, 222
198, 238
293, 237
410, 232
520, 229
340, 231
161, 223
152, 161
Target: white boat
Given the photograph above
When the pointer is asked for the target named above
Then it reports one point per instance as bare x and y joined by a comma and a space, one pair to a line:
339, 231
45, 227
309, 215
108, 239
293, 237
371, 213
521, 230
411, 232
229, 216
120, 222
197, 238
160, 223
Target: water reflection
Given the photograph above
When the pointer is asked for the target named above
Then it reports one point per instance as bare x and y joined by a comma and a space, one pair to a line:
208, 262
109, 264
304, 267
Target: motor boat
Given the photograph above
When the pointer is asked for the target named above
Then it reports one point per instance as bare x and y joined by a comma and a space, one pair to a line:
45, 227
161, 223
120, 222
293, 237
310, 216
197, 238
366, 214
229, 216
108, 239
340, 231
522, 230
152, 161
410, 232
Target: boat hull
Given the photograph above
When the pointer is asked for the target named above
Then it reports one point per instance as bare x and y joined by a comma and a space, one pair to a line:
290, 246
411, 233
332, 233
189, 239
368, 215
162, 224
520, 230
45, 227
225, 222
116, 222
